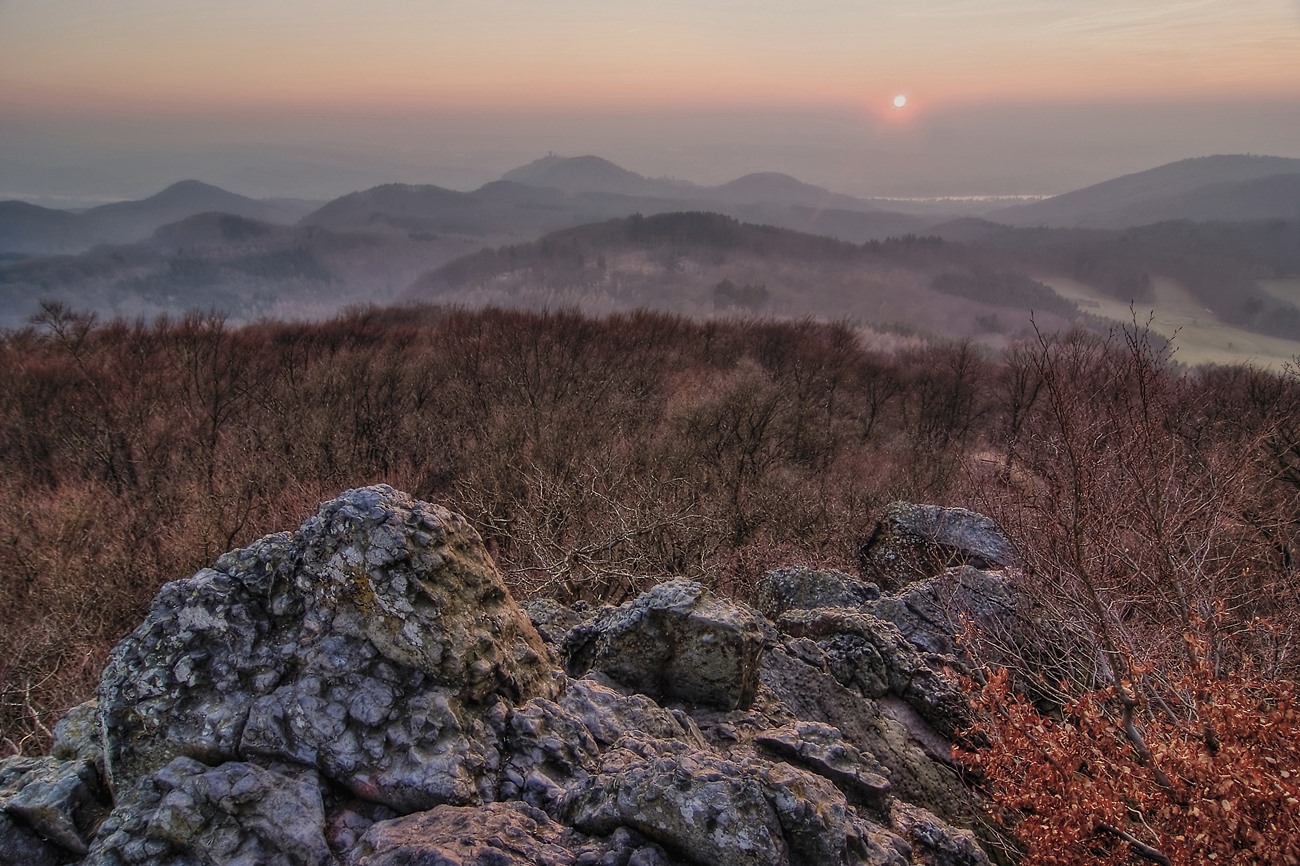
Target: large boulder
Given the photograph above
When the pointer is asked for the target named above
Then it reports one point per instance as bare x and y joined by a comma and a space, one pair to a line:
376, 646
369, 645
916, 542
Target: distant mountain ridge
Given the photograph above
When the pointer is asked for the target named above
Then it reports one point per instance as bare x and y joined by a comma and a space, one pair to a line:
215, 249
592, 174
556, 192
33, 230
1223, 187
586, 174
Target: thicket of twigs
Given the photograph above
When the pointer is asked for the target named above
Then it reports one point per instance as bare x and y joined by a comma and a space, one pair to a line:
1155, 508
1156, 514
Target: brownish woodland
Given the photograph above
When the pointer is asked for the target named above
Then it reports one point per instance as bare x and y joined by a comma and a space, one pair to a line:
1154, 508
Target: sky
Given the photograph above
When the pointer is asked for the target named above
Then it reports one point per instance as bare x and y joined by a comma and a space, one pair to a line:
102, 100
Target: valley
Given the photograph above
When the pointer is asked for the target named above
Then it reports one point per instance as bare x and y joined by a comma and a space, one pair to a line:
1199, 335
583, 233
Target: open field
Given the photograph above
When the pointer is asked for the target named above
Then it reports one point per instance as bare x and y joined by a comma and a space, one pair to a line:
1287, 291
1199, 336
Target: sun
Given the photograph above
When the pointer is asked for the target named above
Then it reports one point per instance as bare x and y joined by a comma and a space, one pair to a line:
900, 101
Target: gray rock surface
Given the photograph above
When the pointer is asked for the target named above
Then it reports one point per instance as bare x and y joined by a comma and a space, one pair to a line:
552, 619
233, 813
824, 750
930, 613
373, 644
808, 589
77, 736
365, 692
871, 655
62, 801
916, 542
678, 641
20, 845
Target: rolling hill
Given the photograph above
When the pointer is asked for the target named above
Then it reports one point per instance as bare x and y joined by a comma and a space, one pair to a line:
590, 174
703, 263
558, 192
776, 188
1207, 188
29, 230
238, 266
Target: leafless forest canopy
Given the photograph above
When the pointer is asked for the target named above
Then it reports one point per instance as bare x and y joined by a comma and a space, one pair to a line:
599, 455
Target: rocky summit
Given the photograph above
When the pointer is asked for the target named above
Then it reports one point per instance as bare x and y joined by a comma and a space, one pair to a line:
365, 692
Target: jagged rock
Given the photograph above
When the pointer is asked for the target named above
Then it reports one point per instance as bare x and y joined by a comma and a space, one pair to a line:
364, 692
713, 811
372, 645
678, 641
552, 619
932, 613
871, 655
938, 843
554, 747
61, 801
916, 542
236, 813
77, 736
916, 774
818, 825
701, 805
807, 589
823, 749
609, 714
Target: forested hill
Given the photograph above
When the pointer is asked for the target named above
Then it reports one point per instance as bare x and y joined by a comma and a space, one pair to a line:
970, 278
703, 263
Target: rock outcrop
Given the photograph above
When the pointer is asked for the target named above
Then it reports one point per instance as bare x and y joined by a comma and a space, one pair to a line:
365, 692
916, 542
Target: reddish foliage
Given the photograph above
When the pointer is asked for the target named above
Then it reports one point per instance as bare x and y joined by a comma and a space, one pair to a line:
1074, 790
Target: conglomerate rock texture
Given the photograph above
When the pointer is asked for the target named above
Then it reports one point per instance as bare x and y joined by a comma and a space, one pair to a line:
365, 692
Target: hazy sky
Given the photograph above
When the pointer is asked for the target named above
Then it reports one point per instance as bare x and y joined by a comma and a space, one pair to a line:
102, 98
